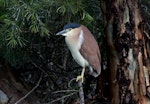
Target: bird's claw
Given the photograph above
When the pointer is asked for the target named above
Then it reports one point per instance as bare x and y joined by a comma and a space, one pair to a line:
80, 78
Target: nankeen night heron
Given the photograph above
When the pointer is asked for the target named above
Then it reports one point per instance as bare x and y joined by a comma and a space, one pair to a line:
83, 47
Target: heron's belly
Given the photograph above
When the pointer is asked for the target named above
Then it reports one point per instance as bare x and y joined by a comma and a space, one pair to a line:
79, 58
74, 44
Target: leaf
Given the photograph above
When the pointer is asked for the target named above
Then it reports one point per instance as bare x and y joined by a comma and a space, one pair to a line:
34, 28
87, 17
2, 17
44, 31
21, 41
61, 9
83, 16
7, 21
12, 43
28, 16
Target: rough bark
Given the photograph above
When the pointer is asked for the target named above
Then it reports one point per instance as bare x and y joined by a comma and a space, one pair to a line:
128, 45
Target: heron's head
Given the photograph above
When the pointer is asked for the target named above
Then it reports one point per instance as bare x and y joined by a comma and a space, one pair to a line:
67, 28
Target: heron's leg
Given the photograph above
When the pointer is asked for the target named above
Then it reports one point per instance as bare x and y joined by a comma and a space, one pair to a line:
81, 76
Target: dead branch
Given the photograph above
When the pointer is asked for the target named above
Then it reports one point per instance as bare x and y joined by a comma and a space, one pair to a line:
61, 98
59, 66
31, 90
69, 84
39, 68
65, 91
81, 92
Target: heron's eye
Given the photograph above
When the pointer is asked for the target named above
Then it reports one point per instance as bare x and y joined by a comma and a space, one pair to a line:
69, 29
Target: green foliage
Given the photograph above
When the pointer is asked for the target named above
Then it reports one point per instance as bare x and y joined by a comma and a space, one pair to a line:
24, 23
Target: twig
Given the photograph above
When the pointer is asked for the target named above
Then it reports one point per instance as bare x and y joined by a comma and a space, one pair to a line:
69, 84
61, 98
39, 67
65, 91
31, 90
59, 66
81, 93
42, 70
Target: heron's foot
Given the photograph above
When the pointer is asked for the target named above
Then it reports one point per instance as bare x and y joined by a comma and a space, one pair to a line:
80, 77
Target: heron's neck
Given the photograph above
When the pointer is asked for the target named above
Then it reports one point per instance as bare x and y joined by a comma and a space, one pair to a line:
74, 41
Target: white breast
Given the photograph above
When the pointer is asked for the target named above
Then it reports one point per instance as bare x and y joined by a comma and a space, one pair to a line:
74, 44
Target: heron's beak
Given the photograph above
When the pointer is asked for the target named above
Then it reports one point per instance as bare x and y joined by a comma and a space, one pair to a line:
61, 32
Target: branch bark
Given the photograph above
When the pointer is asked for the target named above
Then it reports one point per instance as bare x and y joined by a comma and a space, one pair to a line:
81, 92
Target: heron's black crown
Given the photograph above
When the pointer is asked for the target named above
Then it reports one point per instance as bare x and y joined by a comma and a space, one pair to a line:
71, 25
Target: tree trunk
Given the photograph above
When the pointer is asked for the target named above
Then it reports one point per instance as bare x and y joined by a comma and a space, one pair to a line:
129, 55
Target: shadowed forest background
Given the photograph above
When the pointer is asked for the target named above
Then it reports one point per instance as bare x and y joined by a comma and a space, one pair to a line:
37, 65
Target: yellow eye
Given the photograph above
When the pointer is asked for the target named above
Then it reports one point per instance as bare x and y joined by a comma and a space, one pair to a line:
69, 29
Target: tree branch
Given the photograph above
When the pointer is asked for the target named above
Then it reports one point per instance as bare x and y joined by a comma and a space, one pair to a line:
30, 91
65, 91
39, 68
61, 98
81, 92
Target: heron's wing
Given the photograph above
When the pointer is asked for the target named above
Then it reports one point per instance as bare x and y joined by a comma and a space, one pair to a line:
90, 50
